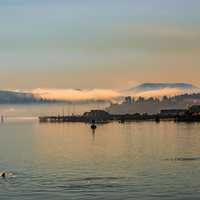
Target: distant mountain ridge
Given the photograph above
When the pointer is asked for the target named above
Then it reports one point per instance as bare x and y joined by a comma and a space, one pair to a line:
157, 86
16, 97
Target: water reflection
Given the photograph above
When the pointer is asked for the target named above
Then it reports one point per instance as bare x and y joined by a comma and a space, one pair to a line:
184, 159
93, 134
71, 160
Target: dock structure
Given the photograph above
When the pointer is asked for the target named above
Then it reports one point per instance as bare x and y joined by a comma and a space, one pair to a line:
191, 115
59, 119
100, 116
2, 119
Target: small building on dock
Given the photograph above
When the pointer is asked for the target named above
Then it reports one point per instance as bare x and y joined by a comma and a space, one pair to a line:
192, 115
172, 112
194, 110
97, 116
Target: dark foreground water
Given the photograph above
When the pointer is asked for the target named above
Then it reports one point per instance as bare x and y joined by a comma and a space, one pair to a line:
118, 161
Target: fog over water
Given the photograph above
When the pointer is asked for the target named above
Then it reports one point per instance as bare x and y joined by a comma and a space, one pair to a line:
146, 90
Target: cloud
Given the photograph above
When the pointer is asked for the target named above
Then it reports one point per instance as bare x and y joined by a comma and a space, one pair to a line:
76, 95
103, 94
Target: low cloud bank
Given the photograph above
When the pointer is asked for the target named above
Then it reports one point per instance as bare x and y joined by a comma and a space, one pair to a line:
104, 94
76, 95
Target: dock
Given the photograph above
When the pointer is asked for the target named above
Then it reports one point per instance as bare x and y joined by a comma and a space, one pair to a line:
100, 116
61, 119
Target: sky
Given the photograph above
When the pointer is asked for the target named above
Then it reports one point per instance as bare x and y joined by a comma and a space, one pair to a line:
92, 44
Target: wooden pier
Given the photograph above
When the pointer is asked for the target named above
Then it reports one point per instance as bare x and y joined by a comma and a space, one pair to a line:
60, 119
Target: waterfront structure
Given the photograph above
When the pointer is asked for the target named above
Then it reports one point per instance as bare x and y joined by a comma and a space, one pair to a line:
2, 119
97, 116
101, 116
194, 110
191, 115
172, 112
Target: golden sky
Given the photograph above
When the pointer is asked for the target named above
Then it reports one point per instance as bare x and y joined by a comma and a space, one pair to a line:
98, 44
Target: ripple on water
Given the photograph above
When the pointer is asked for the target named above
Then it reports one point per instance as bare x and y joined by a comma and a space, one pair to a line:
184, 159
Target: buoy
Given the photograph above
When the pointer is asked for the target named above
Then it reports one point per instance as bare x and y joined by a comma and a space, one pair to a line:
93, 126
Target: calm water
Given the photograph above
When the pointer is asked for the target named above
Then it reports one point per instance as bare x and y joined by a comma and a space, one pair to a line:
118, 161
